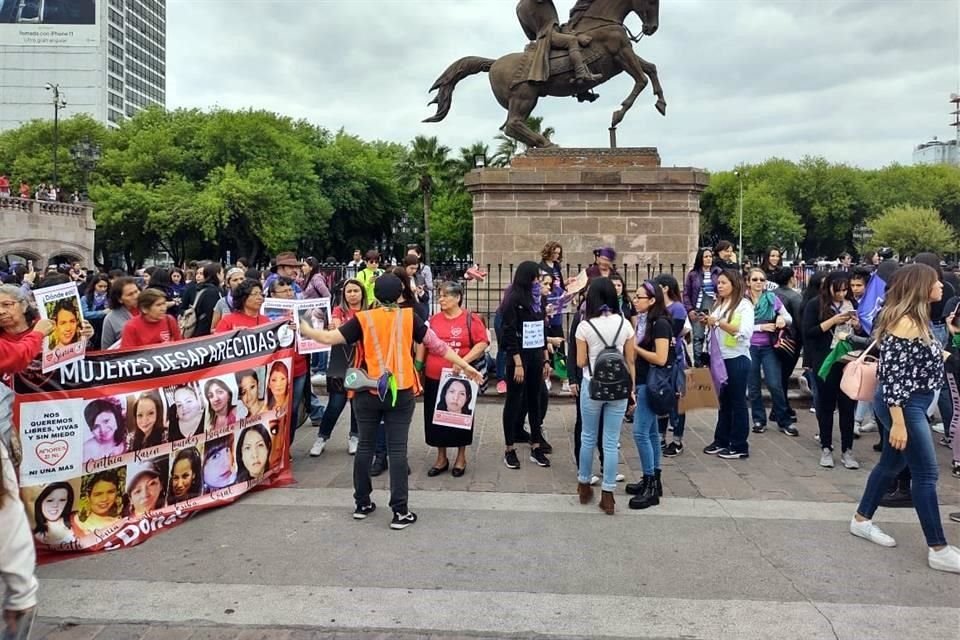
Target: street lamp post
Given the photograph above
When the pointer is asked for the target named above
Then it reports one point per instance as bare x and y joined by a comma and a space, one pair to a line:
59, 102
740, 240
86, 155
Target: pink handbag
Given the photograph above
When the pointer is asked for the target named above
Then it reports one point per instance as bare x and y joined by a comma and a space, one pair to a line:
859, 381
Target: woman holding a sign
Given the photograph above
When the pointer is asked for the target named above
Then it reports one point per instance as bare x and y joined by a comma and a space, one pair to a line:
524, 342
386, 390
463, 332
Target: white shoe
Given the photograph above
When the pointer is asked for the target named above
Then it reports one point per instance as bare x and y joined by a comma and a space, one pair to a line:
318, 379
868, 426
594, 481
318, 446
352, 443
848, 461
565, 387
947, 559
938, 427
621, 477
869, 531
804, 384
813, 409
826, 458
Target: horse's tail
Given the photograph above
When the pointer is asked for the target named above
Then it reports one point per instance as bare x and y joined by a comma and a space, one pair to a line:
447, 82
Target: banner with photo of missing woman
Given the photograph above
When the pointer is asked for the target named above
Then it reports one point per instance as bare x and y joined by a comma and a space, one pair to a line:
123, 444
61, 306
456, 402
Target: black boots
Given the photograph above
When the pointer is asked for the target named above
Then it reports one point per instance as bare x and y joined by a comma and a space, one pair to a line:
899, 495
648, 494
658, 483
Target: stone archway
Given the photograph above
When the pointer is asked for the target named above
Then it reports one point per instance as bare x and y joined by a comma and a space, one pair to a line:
21, 255
66, 257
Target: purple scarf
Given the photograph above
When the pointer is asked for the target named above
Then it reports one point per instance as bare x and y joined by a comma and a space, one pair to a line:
718, 368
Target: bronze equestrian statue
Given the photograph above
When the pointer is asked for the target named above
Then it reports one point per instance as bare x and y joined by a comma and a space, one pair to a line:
564, 61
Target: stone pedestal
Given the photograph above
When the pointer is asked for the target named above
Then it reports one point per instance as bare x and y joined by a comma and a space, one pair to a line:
584, 199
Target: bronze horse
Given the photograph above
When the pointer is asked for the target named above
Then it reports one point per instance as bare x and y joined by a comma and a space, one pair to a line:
609, 53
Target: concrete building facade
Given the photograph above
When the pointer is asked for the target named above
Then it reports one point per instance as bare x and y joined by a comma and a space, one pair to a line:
109, 59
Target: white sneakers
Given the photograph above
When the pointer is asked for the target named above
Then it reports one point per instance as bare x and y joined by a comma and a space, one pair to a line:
869, 531
937, 427
318, 445
826, 458
318, 379
352, 444
947, 559
848, 461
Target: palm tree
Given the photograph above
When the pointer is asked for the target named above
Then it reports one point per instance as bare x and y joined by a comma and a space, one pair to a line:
469, 155
426, 166
508, 147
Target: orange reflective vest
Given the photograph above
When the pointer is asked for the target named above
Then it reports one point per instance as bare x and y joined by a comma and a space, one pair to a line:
388, 345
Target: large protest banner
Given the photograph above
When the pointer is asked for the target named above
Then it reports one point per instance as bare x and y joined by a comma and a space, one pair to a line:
123, 444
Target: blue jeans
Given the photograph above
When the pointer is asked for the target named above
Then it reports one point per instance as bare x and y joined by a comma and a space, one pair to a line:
613, 413
733, 423
918, 455
645, 433
318, 361
811, 377
864, 409
336, 403
765, 358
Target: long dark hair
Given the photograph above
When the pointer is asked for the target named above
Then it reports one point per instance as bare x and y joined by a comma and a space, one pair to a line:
442, 405
521, 289
656, 311
243, 473
92, 286
673, 287
407, 292
765, 264
814, 284
737, 293
41, 520
698, 260
156, 433
343, 298
601, 298
116, 291
101, 405
191, 455
831, 282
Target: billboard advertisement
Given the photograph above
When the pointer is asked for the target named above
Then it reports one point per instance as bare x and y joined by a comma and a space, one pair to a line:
49, 23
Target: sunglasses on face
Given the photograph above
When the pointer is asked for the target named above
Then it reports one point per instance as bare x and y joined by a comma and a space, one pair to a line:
758, 279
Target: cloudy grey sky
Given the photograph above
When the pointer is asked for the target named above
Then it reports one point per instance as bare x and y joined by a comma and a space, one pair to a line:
858, 81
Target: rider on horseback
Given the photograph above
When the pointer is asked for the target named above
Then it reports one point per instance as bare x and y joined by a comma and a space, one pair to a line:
541, 23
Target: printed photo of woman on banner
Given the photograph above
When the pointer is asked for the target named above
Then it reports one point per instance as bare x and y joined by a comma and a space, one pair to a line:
107, 434
219, 470
252, 388
187, 411
54, 512
186, 476
253, 453
61, 305
146, 422
146, 487
221, 395
101, 500
456, 401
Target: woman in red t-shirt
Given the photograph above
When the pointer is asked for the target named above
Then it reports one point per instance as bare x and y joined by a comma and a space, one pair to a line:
247, 300
153, 326
465, 333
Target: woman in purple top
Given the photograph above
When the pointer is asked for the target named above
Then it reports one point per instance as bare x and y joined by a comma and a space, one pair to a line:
699, 294
678, 319
770, 316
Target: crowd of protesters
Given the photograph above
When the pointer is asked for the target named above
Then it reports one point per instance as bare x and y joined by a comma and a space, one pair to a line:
625, 343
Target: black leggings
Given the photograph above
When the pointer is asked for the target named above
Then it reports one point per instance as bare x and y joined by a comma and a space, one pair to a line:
829, 398
524, 399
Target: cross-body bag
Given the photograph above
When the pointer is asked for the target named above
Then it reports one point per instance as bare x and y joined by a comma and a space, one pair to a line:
188, 319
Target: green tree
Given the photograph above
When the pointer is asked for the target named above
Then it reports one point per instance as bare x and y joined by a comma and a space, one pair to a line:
910, 230
427, 169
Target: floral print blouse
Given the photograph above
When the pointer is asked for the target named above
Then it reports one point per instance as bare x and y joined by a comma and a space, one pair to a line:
908, 366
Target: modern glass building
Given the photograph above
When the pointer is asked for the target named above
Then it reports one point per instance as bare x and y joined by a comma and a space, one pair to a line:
106, 57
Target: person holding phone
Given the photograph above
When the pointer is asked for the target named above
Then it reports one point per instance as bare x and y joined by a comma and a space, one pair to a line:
827, 320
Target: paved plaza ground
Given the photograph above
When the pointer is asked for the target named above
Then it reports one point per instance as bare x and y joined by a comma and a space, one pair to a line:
738, 549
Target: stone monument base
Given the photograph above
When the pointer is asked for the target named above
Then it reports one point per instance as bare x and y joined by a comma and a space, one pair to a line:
584, 199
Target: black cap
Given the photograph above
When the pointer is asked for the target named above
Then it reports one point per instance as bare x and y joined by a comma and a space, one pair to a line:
885, 253
387, 288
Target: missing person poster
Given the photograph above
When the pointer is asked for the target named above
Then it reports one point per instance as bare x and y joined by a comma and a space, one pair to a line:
121, 445
315, 313
61, 306
456, 401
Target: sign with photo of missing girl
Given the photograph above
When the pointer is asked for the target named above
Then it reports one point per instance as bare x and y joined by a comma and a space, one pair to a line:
121, 445
456, 401
61, 306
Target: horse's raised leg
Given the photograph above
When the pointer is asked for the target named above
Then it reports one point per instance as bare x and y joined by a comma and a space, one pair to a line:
521, 105
631, 64
651, 70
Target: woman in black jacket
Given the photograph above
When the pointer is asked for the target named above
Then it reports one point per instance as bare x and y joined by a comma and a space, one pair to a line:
208, 294
524, 342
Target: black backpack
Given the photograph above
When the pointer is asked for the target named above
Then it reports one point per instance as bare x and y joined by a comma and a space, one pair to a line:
610, 378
